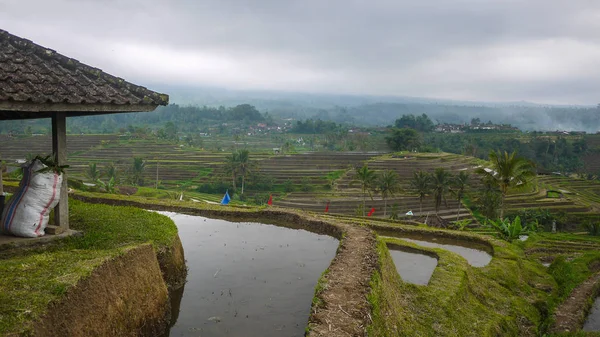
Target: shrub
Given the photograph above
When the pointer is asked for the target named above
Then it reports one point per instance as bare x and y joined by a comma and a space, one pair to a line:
288, 186
394, 212
261, 198
534, 218
214, 187
592, 227
305, 185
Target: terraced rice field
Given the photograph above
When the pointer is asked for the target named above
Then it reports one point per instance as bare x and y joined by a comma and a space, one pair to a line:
547, 246
592, 160
347, 197
580, 197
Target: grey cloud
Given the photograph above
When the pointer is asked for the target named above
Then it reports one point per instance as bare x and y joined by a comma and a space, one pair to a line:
387, 47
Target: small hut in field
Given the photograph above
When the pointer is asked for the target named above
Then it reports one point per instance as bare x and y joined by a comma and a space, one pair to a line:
38, 82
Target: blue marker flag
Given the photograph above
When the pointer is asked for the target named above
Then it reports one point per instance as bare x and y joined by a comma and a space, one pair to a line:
226, 198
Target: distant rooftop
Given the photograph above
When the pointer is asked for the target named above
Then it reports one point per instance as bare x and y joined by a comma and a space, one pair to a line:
37, 79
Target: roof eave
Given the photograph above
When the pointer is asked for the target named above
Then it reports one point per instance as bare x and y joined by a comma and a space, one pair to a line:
27, 110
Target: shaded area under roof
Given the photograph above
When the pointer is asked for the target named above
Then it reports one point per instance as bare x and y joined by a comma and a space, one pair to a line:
36, 81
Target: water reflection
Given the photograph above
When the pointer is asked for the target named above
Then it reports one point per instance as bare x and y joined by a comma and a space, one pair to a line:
477, 255
413, 267
247, 279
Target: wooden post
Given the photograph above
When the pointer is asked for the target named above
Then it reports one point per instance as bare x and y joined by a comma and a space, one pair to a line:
59, 149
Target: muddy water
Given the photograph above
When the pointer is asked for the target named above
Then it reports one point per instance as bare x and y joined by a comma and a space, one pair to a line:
477, 255
247, 279
413, 267
592, 323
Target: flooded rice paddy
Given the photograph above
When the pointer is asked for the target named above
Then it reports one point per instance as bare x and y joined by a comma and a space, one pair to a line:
477, 255
592, 323
413, 267
246, 279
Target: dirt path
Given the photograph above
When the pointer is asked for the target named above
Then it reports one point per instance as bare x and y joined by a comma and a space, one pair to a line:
571, 314
345, 310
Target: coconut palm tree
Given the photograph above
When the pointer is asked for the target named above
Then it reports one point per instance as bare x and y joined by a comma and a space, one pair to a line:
440, 185
111, 171
92, 172
506, 171
243, 164
420, 185
231, 166
461, 182
137, 170
387, 185
366, 178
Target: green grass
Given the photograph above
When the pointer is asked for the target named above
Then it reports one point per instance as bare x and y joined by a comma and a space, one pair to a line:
31, 279
501, 299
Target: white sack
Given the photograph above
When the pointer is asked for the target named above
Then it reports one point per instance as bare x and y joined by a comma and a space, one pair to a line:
26, 213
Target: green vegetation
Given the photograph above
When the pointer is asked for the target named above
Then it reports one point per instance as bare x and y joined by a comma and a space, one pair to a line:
508, 230
31, 279
459, 188
507, 171
421, 185
440, 186
387, 185
461, 300
366, 178
404, 139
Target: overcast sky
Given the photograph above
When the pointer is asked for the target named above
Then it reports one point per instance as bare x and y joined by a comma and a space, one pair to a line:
545, 51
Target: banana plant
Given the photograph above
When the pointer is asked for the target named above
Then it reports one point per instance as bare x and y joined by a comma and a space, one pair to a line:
508, 230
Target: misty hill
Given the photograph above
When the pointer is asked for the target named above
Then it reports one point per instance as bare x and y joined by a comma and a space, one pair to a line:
383, 110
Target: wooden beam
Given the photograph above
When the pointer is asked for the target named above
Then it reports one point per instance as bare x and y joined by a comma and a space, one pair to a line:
59, 149
20, 110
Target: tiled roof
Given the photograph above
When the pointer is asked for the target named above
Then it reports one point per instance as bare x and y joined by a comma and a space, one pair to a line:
30, 73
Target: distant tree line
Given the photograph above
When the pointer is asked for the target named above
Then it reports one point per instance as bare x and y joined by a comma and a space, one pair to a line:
189, 119
315, 126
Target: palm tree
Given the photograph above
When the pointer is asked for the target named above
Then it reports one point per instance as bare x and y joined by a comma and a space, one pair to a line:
92, 172
388, 185
506, 171
139, 165
440, 185
366, 179
243, 164
420, 185
111, 171
461, 182
231, 166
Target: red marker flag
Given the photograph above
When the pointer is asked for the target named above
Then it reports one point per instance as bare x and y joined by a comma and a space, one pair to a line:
327, 207
270, 202
371, 212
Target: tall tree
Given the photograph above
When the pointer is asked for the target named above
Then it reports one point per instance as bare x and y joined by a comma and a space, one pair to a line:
461, 182
387, 185
506, 171
420, 184
366, 178
403, 139
243, 164
111, 171
137, 171
92, 172
231, 167
440, 186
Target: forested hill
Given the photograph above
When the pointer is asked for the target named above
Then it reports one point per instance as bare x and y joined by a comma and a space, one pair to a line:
525, 118
367, 112
384, 110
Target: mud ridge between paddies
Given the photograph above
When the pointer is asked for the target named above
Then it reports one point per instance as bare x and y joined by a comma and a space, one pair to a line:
570, 315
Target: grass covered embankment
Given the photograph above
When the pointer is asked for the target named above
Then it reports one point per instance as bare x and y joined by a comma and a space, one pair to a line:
509, 297
34, 280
